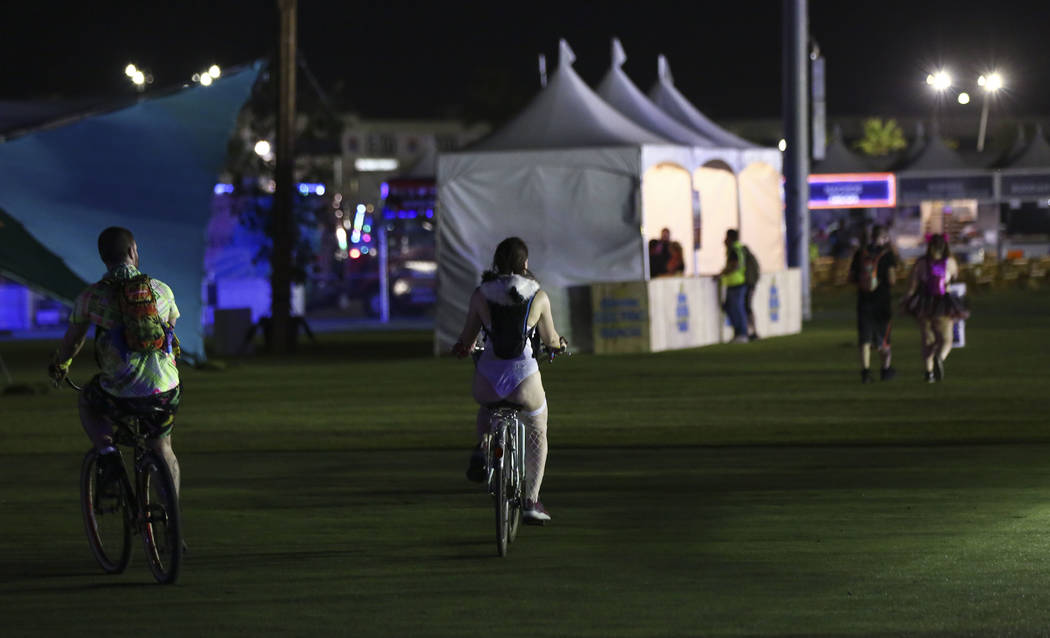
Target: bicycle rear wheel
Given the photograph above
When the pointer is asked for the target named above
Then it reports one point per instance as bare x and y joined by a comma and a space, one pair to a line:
161, 523
517, 482
501, 496
107, 521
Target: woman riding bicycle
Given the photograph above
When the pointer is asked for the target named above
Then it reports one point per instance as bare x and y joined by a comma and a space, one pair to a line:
509, 306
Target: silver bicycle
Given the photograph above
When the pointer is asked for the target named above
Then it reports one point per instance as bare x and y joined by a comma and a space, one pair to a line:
504, 447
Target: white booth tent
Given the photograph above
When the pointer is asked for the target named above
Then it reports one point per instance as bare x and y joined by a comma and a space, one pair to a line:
584, 185
754, 186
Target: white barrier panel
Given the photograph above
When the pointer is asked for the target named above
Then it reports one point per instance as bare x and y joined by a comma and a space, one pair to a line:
959, 328
777, 304
620, 317
669, 313
683, 313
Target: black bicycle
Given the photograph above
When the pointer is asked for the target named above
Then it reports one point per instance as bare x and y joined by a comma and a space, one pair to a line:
112, 508
504, 447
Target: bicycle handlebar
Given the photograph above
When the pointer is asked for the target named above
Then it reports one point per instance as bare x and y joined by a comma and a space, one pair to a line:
549, 354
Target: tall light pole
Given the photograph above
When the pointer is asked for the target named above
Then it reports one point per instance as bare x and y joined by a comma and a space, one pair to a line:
281, 326
795, 105
991, 83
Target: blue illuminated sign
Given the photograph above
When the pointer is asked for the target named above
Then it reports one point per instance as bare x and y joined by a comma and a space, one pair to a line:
853, 190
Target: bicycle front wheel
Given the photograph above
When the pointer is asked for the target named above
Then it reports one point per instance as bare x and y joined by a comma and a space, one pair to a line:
161, 522
107, 521
501, 496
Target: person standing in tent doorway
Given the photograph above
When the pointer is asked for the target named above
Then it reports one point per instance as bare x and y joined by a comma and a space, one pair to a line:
659, 254
510, 307
135, 346
734, 281
873, 270
675, 260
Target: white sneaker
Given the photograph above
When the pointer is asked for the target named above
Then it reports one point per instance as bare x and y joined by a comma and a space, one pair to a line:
535, 514
741, 339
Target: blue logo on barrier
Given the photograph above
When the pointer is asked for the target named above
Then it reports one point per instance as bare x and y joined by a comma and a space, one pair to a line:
682, 311
774, 303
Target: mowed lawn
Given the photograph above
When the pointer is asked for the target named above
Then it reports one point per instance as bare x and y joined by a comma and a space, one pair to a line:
745, 490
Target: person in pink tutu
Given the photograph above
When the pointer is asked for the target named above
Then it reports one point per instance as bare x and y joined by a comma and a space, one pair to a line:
936, 309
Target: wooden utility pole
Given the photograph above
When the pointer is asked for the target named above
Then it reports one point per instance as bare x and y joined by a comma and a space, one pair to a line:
284, 229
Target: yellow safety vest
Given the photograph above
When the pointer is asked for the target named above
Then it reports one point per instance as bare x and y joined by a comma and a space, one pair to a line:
738, 277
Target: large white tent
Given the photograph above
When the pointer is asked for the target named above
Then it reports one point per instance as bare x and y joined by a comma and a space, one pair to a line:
583, 183
670, 99
755, 186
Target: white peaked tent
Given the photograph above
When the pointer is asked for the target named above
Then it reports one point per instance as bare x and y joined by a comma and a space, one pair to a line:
567, 114
667, 97
568, 175
713, 168
754, 186
618, 90
586, 186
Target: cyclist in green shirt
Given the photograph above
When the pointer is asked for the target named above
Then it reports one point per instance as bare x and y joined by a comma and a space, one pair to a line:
131, 381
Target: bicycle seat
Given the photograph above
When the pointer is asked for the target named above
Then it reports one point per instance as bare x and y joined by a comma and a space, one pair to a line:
504, 404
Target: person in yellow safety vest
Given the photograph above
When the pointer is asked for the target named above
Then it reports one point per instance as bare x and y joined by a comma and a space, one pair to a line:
734, 280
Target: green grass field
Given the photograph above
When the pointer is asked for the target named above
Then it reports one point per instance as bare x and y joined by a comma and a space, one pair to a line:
726, 491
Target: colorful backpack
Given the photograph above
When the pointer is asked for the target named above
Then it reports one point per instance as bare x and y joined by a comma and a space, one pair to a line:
868, 277
143, 328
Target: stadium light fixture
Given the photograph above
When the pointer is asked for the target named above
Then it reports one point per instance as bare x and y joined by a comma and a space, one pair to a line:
940, 81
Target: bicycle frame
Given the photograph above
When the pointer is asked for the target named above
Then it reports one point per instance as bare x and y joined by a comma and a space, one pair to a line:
513, 439
141, 512
506, 473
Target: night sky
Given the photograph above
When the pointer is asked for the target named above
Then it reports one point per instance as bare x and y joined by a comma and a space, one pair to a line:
473, 59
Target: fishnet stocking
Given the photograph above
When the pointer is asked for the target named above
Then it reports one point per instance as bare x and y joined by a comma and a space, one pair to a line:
535, 453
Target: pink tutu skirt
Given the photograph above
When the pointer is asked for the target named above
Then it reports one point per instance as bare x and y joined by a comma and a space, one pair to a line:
923, 305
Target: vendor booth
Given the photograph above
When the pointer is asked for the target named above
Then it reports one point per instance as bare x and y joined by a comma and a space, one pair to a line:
1024, 193
587, 183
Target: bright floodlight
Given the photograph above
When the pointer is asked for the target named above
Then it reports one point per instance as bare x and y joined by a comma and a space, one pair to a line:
940, 80
214, 71
262, 148
992, 82
139, 78
964, 98
205, 79
782, 145
130, 70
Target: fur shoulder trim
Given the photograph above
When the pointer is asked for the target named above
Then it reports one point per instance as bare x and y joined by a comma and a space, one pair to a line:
498, 290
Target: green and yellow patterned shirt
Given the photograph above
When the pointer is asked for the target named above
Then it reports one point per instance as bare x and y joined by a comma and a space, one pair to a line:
126, 373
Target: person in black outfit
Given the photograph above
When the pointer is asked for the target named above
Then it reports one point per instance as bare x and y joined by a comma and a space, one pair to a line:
659, 253
873, 270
